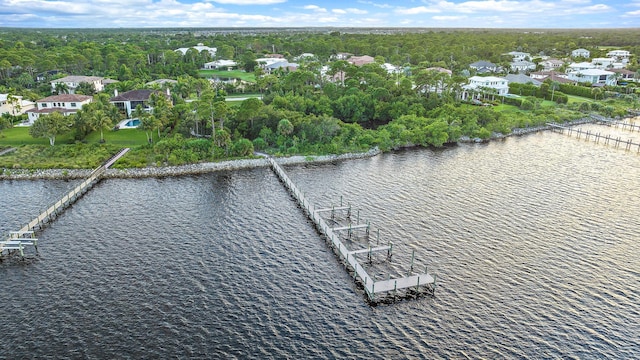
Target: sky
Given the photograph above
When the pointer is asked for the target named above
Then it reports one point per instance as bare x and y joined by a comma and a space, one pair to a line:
320, 13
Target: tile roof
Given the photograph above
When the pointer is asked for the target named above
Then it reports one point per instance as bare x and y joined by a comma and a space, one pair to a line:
65, 98
135, 95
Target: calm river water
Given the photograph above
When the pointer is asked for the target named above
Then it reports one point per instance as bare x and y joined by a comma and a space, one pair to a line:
535, 242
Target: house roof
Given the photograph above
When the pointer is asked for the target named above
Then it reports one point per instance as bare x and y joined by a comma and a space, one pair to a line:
65, 98
555, 77
522, 79
162, 81
135, 95
77, 79
622, 71
594, 72
51, 110
487, 79
282, 64
483, 64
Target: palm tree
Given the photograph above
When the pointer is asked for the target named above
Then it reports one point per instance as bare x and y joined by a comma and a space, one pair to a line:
61, 88
554, 86
101, 121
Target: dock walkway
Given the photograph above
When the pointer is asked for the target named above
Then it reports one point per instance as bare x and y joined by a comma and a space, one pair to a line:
26, 235
596, 137
373, 288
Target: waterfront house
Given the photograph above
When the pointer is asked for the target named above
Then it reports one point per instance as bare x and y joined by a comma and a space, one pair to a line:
551, 64
522, 79
479, 85
14, 105
580, 66
619, 54
128, 101
220, 65
522, 66
66, 104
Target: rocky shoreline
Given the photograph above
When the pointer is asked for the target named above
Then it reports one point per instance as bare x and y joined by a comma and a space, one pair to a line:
201, 168
191, 169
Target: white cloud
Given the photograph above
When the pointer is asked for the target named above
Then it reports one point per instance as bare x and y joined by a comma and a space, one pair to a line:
448, 18
314, 8
631, 14
248, 2
416, 10
350, 11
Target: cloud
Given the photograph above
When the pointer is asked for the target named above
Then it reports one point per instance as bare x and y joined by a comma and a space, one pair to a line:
350, 11
448, 18
416, 10
248, 2
314, 8
631, 13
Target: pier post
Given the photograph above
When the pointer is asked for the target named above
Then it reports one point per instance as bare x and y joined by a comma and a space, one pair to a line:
413, 256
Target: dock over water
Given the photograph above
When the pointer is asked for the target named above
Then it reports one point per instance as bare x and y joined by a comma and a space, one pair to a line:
598, 138
337, 236
17, 241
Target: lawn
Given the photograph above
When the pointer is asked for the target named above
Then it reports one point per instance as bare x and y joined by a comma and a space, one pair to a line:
233, 74
578, 99
123, 137
20, 136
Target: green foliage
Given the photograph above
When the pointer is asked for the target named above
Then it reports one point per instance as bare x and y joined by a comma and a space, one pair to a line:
49, 126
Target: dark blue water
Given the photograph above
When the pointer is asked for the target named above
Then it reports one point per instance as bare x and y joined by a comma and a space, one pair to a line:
534, 241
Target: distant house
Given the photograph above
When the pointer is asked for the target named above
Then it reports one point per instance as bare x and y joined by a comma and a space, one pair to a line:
593, 76
619, 54
162, 82
522, 79
522, 66
73, 81
483, 67
341, 56
361, 60
220, 65
551, 75
284, 65
264, 62
304, 56
14, 105
581, 53
551, 64
624, 74
391, 69
200, 48
580, 66
479, 85
519, 56
66, 104
128, 101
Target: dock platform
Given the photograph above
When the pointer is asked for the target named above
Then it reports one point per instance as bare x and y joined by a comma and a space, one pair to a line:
374, 288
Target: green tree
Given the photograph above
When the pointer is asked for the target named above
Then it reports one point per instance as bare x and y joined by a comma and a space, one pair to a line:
49, 126
100, 120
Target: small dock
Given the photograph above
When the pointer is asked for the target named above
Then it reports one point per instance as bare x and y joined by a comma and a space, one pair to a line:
375, 289
18, 240
597, 137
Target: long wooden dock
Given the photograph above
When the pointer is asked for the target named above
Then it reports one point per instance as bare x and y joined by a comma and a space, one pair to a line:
373, 288
597, 137
17, 240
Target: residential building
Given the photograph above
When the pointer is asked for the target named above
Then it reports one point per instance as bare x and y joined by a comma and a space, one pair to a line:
481, 84
581, 53
619, 54
580, 66
551, 75
162, 82
128, 101
284, 65
66, 104
522, 66
522, 79
361, 60
200, 48
520, 56
220, 65
483, 67
603, 63
14, 105
624, 75
593, 76
551, 64
264, 62
341, 56
73, 81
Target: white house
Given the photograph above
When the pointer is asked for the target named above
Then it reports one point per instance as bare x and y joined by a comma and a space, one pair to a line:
551, 64
267, 61
523, 65
482, 67
220, 64
479, 84
580, 66
14, 105
66, 104
71, 82
603, 63
581, 53
619, 54
200, 48
520, 56
593, 76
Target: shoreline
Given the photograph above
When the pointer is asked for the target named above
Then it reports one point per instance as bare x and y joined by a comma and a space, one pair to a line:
203, 168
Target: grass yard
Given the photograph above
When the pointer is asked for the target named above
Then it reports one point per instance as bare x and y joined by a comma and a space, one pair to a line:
578, 99
233, 74
20, 136
122, 137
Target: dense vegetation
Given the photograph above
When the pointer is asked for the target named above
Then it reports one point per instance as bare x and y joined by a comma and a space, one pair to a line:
297, 112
